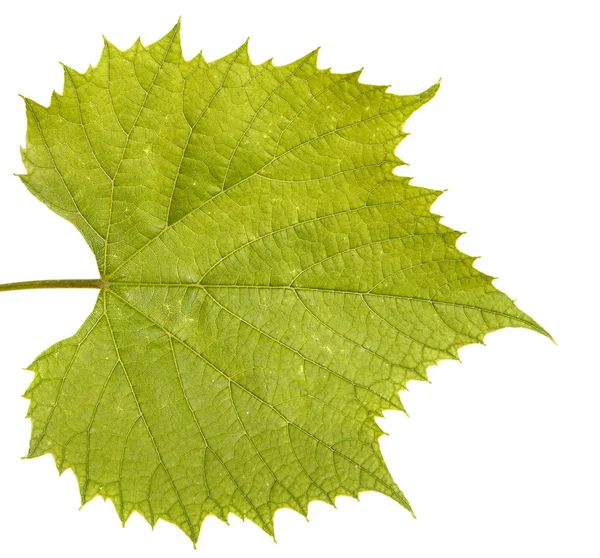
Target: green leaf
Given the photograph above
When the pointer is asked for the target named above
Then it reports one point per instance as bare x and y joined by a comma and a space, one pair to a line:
268, 285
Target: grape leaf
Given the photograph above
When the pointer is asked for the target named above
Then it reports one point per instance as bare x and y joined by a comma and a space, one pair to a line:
267, 284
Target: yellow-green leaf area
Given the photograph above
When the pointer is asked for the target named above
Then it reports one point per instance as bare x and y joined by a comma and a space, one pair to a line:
269, 285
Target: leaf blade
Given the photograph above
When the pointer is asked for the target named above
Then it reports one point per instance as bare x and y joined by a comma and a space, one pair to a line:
270, 285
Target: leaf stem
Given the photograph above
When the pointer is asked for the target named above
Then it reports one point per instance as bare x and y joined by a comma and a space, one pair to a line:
55, 284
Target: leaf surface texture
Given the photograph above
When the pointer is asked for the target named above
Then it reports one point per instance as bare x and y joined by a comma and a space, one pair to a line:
271, 285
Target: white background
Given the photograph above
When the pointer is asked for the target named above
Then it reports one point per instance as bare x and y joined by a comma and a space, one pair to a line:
500, 454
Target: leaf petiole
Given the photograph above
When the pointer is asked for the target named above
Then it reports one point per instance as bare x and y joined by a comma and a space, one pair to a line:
55, 284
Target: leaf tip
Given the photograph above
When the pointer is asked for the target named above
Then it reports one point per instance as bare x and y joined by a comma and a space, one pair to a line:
68, 70
545, 333
176, 28
108, 46
429, 93
242, 50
